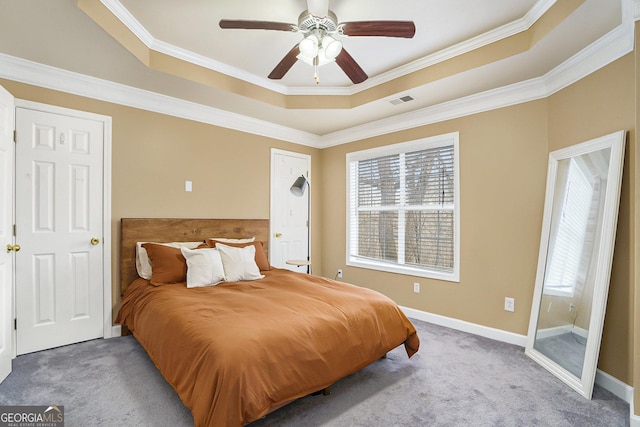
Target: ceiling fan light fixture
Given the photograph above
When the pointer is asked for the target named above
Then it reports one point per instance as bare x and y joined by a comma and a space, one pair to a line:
318, 61
309, 46
318, 49
331, 47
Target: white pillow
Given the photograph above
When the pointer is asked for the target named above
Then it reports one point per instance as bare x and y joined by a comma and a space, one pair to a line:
143, 263
239, 263
226, 240
204, 267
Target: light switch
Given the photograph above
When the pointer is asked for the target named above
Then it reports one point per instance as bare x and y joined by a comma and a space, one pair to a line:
188, 186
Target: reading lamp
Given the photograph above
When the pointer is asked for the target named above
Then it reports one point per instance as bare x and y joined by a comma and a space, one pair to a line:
297, 189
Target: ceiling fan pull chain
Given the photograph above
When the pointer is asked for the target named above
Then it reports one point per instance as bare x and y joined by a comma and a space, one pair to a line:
315, 70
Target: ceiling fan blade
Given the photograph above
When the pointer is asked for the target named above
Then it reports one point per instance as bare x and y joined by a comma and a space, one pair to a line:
351, 67
256, 25
318, 8
406, 29
285, 64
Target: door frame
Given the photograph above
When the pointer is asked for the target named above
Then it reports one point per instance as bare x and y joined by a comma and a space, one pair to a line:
107, 318
7, 121
272, 228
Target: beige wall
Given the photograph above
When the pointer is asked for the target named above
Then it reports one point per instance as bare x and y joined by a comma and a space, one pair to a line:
503, 157
597, 105
153, 155
503, 162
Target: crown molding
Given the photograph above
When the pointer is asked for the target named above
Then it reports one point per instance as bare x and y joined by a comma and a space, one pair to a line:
129, 21
515, 27
24, 71
122, 13
607, 49
473, 104
507, 30
212, 64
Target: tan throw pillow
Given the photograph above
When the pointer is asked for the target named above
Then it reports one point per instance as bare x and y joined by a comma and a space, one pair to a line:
143, 265
167, 264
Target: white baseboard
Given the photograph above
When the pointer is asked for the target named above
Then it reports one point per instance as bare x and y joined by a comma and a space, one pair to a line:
552, 332
580, 332
472, 328
116, 331
604, 380
615, 386
560, 330
620, 389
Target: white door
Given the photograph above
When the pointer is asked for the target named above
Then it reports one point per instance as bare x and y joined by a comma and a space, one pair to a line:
289, 219
6, 231
59, 277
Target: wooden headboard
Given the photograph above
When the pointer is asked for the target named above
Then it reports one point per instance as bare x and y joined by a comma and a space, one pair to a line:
180, 230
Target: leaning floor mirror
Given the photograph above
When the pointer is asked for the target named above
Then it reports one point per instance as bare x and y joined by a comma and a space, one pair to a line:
574, 262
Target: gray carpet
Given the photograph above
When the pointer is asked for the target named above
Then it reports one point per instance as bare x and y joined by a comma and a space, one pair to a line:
456, 379
567, 350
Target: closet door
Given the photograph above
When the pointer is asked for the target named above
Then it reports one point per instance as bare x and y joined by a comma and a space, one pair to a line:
59, 270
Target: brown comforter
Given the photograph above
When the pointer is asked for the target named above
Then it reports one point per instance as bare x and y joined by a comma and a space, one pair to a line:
236, 351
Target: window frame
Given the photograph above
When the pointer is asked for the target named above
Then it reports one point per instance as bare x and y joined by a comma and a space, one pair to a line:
449, 139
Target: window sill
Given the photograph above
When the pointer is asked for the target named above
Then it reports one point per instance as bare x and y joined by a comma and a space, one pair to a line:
407, 270
555, 292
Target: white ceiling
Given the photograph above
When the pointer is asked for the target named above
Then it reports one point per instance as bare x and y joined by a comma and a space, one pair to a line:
193, 25
189, 30
443, 29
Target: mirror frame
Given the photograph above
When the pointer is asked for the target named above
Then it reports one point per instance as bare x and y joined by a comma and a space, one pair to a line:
616, 142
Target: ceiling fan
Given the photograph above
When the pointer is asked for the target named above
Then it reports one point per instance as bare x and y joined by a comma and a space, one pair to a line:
319, 26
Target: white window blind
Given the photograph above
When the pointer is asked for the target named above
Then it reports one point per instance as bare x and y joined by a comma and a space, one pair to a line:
403, 212
566, 254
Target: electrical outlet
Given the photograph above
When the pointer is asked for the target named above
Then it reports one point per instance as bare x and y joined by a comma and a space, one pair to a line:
416, 287
339, 273
509, 304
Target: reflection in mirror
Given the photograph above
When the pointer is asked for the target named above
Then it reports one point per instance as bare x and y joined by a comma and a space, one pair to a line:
576, 249
563, 323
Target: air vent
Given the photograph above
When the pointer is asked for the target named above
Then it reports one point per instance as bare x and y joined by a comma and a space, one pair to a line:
402, 100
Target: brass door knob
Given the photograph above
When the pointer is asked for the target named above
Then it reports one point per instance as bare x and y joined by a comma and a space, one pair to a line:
95, 241
14, 248
278, 234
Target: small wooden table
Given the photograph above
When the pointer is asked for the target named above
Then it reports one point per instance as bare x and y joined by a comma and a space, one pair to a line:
300, 263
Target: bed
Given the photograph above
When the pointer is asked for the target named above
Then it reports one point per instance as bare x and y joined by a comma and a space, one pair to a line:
238, 350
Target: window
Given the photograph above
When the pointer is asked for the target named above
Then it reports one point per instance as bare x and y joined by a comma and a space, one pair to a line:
570, 246
403, 213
